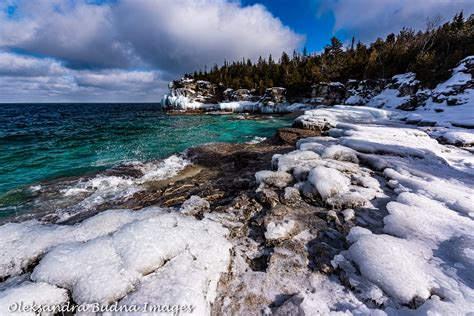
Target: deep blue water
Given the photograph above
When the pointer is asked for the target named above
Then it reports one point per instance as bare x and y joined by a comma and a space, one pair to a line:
46, 141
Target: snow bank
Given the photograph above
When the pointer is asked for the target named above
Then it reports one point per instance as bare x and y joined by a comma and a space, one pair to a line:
422, 257
24, 243
119, 254
449, 104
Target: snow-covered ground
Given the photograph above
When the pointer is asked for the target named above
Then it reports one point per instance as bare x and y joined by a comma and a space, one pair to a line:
421, 262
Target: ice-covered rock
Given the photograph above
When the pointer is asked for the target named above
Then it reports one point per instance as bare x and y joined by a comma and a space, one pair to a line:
194, 205
328, 182
279, 230
457, 138
148, 256
277, 179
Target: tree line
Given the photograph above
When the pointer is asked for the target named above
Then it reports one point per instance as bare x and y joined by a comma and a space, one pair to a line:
430, 54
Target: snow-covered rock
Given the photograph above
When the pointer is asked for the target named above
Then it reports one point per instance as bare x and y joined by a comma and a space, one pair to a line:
328, 93
328, 182
148, 256
277, 179
36, 295
279, 230
194, 205
421, 256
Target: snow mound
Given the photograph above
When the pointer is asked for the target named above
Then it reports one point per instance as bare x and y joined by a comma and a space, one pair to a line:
394, 264
328, 182
119, 255
24, 243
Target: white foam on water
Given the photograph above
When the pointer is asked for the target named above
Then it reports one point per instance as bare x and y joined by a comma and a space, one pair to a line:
104, 188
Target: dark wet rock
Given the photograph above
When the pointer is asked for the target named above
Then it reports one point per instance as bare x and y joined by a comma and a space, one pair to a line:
291, 135
268, 197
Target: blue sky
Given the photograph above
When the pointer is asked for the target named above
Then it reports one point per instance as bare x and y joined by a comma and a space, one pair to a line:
128, 50
302, 16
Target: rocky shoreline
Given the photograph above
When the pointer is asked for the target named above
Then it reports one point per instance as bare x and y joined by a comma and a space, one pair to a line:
402, 92
355, 209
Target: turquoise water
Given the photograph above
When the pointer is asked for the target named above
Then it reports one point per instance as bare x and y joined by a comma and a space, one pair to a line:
40, 142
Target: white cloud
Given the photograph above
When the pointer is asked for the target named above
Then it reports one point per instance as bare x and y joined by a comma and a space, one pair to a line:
369, 19
116, 79
31, 79
17, 65
167, 37
182, 35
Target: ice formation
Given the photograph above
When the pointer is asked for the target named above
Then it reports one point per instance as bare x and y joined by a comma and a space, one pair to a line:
147, 256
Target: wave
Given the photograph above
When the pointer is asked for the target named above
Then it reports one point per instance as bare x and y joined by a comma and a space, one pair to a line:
60, 199
107, 188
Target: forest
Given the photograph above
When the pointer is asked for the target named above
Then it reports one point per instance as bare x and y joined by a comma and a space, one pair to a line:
430, 54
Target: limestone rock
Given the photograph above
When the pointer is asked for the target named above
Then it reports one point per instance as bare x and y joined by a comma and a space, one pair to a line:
328, 93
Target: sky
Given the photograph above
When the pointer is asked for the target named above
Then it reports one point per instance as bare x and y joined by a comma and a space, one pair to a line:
128, 50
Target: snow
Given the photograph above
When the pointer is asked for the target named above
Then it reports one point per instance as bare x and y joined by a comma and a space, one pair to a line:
354, 100
118, 255
323, 118
338, 152
348, 214
279, 230
26, 242
408, 79
397, 266
328, 182
194, 205
388, 98
287, 162
459, 138
423, 255
31, 294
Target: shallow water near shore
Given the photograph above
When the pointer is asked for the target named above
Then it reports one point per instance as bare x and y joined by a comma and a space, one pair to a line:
71, 146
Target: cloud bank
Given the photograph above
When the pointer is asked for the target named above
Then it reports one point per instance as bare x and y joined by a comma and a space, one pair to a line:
97, 49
